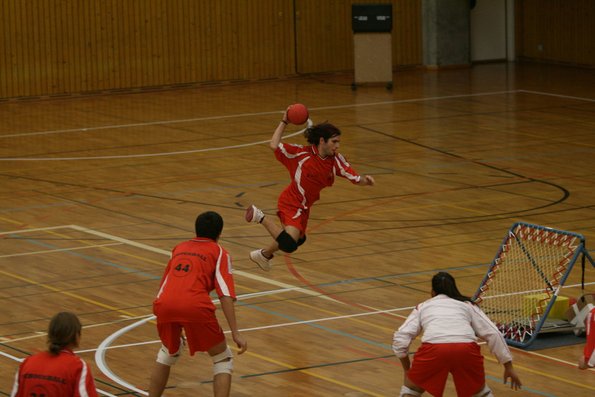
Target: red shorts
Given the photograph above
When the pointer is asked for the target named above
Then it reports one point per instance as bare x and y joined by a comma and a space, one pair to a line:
433, 362
200, 336
290, 215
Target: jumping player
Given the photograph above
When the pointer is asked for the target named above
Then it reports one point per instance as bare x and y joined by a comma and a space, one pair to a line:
450, 324
588, 358
197, 267
311, 168
57, 371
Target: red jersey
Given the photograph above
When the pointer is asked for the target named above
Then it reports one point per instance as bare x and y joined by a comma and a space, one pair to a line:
48, 375
310, 173
590, 345
196, 268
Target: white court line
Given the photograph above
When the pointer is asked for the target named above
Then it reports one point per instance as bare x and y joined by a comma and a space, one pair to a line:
19, 231
20, 360
164, 122
178, 121
129, 156
12, 357
557, 95
260, 328
59, 250
161, 122
238, 272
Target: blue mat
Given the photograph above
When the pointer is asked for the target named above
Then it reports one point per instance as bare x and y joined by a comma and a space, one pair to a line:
555, 339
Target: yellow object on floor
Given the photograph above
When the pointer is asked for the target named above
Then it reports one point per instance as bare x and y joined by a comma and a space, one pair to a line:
533, 302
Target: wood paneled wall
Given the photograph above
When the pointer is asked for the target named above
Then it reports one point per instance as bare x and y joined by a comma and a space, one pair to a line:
561, 31
53, 47
325, 38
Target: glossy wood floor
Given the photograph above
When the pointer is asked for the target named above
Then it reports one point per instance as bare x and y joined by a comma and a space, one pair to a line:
95, 191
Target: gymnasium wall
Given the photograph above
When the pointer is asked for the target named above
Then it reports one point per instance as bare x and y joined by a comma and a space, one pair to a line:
558, 31
60, 47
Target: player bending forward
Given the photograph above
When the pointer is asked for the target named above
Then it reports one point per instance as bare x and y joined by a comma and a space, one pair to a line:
311, 168
450, 324
197, 267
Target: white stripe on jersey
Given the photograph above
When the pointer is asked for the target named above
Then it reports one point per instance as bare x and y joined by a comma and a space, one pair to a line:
298, 181
289, 155
340, 160
162, 286
220, 279
82, 381
15, 387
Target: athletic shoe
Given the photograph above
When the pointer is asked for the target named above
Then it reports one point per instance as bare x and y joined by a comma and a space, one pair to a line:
258, 257
253, 214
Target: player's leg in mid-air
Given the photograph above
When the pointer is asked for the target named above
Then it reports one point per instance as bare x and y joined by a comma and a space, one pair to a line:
287, 238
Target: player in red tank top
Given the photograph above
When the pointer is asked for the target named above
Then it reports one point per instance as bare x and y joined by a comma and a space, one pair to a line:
183, 303
57, 372
311, 168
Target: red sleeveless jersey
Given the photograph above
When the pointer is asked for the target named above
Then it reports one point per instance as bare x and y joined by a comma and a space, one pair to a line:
196, 268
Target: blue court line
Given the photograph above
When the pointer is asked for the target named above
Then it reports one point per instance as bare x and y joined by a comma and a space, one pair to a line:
333, 331
91, 258
525, 388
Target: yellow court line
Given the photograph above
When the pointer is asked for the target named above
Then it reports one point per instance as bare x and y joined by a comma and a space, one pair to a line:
536, 372
309, 372
11, 221
72, 295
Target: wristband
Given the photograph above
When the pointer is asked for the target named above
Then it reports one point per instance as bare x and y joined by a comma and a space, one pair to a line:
284, 122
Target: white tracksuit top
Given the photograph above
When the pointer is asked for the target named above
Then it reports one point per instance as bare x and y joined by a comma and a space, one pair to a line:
446, 320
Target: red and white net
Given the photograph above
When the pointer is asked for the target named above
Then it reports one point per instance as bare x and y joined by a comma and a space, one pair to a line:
524, 277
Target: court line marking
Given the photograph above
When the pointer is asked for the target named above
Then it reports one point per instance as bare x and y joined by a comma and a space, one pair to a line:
557, 95
165, 122
141, 155
58, 250
168, 253
20, 360
240, 115
144, 246
210, 118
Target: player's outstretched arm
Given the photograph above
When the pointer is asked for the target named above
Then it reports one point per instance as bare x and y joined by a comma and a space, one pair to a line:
230, 315
509, 372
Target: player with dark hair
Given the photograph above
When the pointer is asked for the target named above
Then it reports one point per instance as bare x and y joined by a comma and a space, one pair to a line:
451, 324
311, 168
196, 268
57, 372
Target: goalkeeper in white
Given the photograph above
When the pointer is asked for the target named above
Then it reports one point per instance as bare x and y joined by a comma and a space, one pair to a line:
451, 325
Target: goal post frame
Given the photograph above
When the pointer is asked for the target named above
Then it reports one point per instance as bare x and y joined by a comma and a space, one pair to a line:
522, 334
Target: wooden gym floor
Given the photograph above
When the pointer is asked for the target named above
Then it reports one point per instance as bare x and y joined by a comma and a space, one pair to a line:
96, 190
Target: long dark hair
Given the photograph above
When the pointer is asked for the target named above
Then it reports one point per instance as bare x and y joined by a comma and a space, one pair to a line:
323, 130
64, 330
444, 283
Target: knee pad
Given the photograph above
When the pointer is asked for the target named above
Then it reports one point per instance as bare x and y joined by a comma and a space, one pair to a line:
485, 392
286, 242
405, 391
163, 357
223, 362
302, 240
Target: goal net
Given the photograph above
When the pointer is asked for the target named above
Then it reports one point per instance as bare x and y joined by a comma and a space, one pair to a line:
524, 279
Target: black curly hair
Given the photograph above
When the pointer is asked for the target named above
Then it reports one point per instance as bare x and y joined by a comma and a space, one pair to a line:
323, 130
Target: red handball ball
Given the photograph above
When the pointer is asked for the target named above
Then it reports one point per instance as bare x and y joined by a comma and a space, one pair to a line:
297, 114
